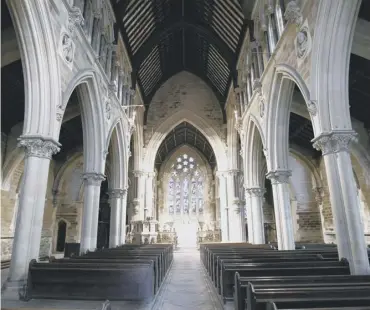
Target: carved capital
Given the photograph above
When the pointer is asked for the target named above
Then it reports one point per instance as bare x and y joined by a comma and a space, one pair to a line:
233, 172
75, 18
279, 176
221, 174
93, 178
117, 193
334, 142
255, 192
293, 14
38, 147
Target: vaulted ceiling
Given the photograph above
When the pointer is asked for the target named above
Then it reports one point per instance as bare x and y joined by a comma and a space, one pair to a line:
185, 134
164, 37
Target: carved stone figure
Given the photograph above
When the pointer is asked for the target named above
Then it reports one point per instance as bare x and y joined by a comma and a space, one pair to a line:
302, 42
67, 48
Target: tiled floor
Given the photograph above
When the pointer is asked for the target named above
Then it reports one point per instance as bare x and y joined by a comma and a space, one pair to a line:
186, 287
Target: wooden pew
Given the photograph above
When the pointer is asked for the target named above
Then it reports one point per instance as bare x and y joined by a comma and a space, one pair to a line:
241, 283
114, 281
313, 297
123, 273
226, 279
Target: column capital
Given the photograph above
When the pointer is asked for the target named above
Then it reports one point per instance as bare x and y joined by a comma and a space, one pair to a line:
138, 173
221, 174
255, 191
233, 172
279, 176
93, 178
334, 141
36, 146
117, 192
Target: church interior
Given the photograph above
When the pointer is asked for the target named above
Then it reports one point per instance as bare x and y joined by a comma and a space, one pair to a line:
185, 154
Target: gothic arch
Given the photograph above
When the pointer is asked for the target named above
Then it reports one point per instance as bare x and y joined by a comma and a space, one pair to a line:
189, 116
117, 169
278, 113
35, 37
92, 118
331, 48
253, 159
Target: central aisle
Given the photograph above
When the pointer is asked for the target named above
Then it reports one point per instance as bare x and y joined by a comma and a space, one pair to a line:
186, 286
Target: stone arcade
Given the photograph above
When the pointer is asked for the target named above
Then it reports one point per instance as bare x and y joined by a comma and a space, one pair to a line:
130, 124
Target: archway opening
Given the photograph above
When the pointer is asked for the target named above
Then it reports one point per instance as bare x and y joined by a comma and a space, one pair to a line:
61, 238
185, 193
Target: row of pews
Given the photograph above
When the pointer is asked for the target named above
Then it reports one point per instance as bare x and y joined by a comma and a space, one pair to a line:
129, 272
259, 277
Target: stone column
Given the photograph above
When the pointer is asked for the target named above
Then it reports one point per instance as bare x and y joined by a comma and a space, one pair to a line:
90, 215
138, 201
115, 197
236, 214
96, 34
123, 222
27, 237
224, 210
149, 195
343, 197
248, 204
283, 213
255, 195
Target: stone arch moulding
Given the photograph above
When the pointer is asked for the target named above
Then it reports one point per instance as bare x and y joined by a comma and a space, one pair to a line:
331, 48
92, 117
118, 166
253, 145
165, 128
278, 113
35, 37
64, 170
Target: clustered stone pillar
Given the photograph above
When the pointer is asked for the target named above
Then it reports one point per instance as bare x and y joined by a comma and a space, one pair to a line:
90, 215
138, 201
343, 197
123, 216
236, 214
148, 211
115, 196
255, 215
283, 213
27, 237
225, 235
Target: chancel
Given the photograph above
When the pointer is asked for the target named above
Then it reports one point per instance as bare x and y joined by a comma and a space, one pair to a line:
185, 154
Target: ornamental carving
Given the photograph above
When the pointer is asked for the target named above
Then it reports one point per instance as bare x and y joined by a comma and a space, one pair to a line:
75, 18
255, 192
262, 108
334, 142
293, 14
67, 48
312, 108
93, 178
117, 193
108, 110
37, 147
279, 177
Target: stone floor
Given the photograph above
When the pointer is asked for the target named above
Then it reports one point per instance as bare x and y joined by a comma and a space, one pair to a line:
186, 287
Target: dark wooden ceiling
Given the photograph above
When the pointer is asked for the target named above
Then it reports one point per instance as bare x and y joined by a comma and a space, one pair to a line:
164, 37
184, 134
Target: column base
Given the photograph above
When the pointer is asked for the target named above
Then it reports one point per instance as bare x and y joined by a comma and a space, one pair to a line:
14, 290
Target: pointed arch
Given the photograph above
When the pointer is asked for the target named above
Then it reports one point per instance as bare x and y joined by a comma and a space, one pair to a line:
278, 114
202, 125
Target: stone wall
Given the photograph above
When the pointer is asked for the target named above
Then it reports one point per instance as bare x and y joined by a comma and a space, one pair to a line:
184, 91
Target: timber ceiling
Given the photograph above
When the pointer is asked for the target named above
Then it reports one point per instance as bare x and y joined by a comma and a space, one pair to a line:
164, 37
184, 134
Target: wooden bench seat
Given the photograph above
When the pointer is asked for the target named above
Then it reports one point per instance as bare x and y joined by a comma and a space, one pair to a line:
226, 279
241, 283
259, 299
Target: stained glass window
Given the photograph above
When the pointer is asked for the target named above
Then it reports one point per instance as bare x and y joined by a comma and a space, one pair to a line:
185, 187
